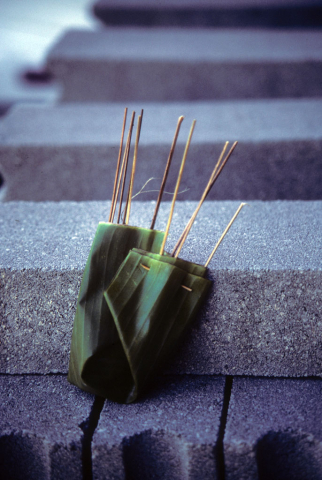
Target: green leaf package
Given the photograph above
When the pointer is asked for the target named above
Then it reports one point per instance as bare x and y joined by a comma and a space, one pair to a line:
135, 301
96, 358
153, 298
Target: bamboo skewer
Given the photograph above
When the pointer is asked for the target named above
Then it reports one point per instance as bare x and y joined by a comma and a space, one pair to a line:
121, 172
118, 167
186, 231
129, 196
177, 186
217, 170
224, 233
124, 168
166, 171
141, 115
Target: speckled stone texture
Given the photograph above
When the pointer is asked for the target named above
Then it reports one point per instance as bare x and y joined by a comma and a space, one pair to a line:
210, 13
262, 316
186, 64
40, 428
274, 430
69, 152
171, 434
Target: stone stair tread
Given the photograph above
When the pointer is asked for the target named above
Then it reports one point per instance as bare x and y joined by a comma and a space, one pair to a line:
208, 3
274, 427
278, 156
263, 316
171, 433
210, 13
196, 64
158, 44
40, 433
100, 123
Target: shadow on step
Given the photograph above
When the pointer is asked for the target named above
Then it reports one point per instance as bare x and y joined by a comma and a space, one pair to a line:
23, 457
289, 456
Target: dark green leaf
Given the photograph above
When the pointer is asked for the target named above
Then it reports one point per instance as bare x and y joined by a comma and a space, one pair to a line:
97, 359
152, 301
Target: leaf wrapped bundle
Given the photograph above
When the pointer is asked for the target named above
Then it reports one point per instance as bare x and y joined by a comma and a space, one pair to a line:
96, 358
153, 299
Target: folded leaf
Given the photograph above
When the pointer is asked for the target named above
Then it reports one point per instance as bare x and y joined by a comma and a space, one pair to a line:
152, 299
189, 267
97, 356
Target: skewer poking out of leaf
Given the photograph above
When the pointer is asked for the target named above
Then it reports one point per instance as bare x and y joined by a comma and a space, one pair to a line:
185, 153
215, 174
186, 231
141, 115
118, 167
166, 171
224, 233
124, 168
129, 195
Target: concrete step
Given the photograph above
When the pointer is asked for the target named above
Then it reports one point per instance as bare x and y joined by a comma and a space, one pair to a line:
274, 430
178, 429
210, 13
69, 152
41, 421
162, 64
262, 317
171, 434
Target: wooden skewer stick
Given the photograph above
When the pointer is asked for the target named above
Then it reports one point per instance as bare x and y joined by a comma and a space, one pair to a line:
224, 163
166, 171
224, 233
187, 229
215, 176
118, 166
124, 166
141, 115
129, 196
185, 153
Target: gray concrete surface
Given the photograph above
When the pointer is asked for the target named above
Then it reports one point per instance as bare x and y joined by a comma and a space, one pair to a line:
211, 13
262, 317
40, 433
70, 151
186, 64
171, 434
274, 430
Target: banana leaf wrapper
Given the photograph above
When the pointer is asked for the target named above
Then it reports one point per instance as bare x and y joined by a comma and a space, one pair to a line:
96, 357
151, 310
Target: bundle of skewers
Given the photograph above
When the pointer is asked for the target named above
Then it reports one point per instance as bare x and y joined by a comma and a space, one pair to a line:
135, 299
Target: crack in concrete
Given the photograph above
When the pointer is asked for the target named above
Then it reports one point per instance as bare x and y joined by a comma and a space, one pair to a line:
223, 420
89, 427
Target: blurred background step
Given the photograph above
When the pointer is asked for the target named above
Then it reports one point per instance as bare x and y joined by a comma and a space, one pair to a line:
262, 316
69, 151
161, 64
210, 13
171, 434
41, 421
27, 30
274, 429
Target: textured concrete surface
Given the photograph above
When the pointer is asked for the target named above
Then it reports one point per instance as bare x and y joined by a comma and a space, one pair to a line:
171, 434
70, 151
262, 317
274, 430
186, 64
210, 13
40, 428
